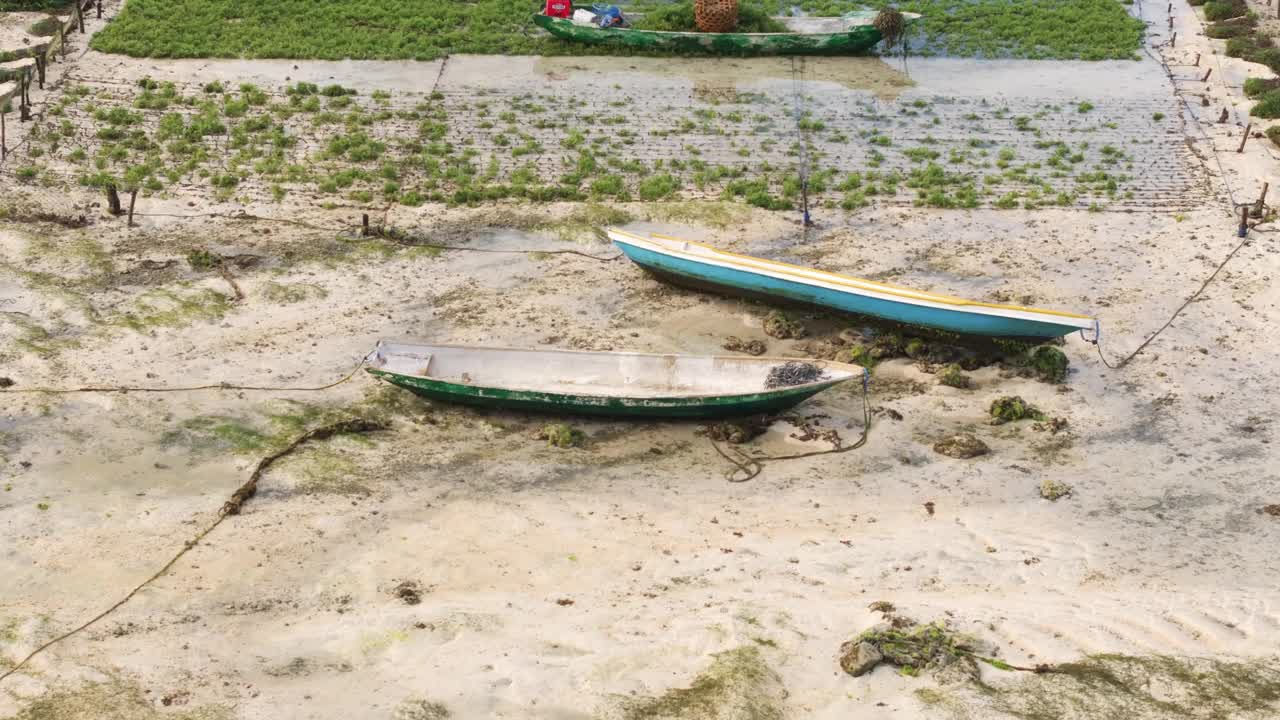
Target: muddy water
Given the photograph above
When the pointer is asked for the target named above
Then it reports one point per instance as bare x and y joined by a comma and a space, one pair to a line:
723, 76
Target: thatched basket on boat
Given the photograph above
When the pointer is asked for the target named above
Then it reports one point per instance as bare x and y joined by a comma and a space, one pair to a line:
716, 16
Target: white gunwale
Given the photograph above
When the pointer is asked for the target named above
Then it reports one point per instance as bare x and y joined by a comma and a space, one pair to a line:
388, 349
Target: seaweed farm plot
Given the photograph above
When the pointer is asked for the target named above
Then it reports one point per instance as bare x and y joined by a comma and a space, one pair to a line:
463, 144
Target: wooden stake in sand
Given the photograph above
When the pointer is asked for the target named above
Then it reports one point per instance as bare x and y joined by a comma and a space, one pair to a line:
133, 198
80, 15
1197, 62
98, 4
1207, 73
1244, 221
1245, 138
364, 225
1262, 201
1173, 41
24, 110
4, 145
113, 200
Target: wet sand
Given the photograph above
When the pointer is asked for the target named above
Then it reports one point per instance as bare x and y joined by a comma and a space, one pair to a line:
599, 581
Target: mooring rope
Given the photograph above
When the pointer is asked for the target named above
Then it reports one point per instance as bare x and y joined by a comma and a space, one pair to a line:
1096, 340
231, 507
192, 388
752, 465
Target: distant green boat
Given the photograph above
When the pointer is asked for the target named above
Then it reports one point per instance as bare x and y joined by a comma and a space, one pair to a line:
815, 36
636, 385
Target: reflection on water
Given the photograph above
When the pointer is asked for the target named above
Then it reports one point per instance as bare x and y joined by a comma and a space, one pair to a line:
722, 78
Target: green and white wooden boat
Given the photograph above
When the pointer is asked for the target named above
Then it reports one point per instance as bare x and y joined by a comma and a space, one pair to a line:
597, 383
813, 36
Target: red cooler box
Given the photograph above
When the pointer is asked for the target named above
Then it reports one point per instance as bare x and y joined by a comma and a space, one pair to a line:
559, 8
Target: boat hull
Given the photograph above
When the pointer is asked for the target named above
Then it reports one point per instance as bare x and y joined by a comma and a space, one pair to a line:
858, 39
561, 403
741, 281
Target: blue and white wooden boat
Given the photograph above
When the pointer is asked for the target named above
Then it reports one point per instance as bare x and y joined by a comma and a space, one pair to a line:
689, 263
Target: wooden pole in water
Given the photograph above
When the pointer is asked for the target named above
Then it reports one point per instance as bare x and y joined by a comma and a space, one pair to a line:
1262, 201
1245, 138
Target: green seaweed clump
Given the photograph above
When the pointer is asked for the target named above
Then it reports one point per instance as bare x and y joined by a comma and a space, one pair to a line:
418, 709
202, 259
1047, 363
561, 435
1054, 489
778, 325
913, 647
915, 348
739, 431
1013, 408
856, 355
953, 376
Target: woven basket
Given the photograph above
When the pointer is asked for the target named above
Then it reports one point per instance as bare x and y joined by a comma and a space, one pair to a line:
716, 16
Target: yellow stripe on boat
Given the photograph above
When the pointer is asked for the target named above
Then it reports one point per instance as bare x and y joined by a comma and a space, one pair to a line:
783, 268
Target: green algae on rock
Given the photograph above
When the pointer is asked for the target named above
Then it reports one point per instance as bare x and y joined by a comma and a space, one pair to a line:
1012, 408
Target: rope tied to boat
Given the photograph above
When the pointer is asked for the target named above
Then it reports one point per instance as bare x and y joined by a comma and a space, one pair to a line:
1096, 339
191, 388
748, 467
233, 506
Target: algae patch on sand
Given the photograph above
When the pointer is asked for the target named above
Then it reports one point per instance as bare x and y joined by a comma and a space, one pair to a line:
1133, 687
738, 684
115, 699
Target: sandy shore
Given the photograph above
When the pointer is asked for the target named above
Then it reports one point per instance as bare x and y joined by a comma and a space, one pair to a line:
453, 565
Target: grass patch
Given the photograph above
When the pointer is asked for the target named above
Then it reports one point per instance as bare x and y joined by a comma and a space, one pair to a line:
1268, 105
388, 29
